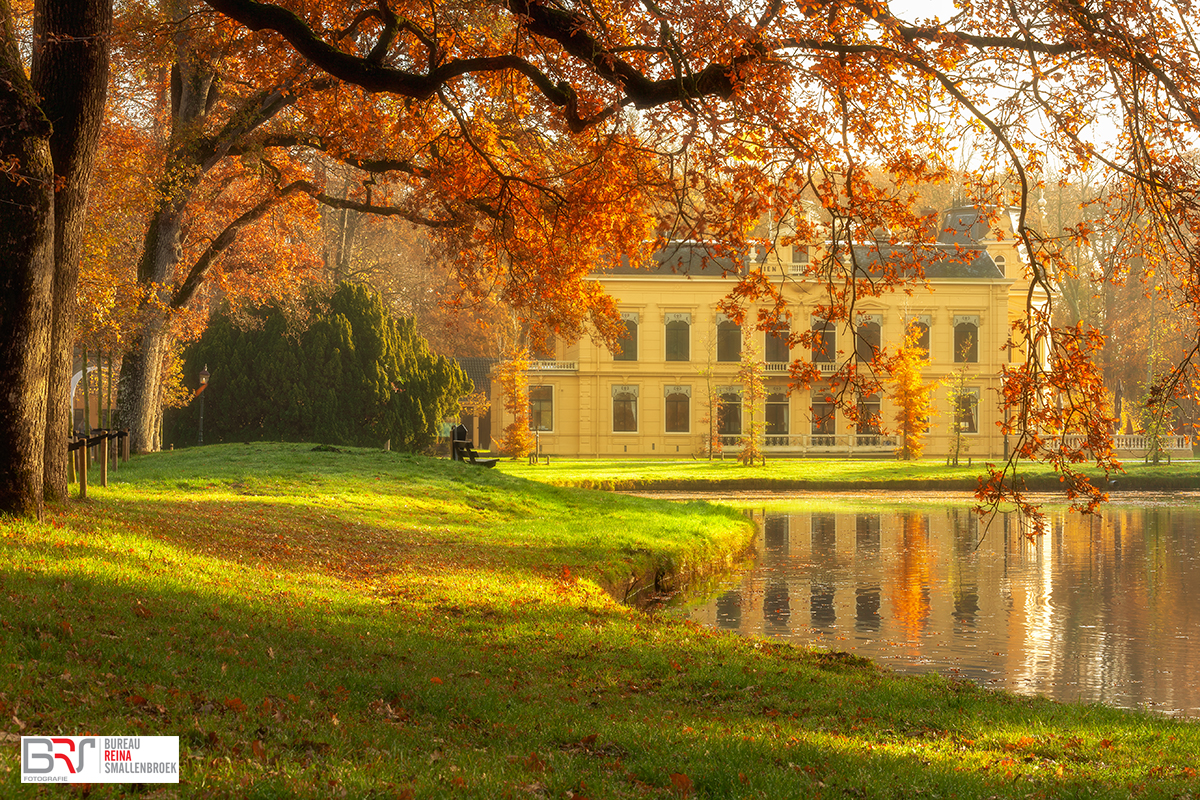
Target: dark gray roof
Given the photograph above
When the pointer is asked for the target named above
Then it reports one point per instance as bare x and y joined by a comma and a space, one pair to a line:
479, 370
940, 261
963, 225
693, 259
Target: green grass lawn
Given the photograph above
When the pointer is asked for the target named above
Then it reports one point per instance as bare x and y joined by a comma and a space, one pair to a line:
368, 624
834, 474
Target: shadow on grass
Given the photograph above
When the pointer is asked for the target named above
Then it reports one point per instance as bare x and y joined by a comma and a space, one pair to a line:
379, 537
279, 685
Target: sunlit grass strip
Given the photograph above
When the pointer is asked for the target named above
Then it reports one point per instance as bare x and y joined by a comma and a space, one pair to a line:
344, 632
829, 474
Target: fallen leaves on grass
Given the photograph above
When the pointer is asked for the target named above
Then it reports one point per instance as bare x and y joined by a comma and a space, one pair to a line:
682, 783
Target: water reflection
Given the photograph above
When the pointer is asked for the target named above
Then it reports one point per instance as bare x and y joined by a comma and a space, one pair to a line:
1097, 609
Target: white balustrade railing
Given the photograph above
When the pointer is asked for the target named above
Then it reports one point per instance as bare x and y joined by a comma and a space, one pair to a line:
831, 443
553, 366
1137, 443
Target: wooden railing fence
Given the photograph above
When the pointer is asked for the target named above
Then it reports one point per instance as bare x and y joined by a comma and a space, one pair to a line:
86, 450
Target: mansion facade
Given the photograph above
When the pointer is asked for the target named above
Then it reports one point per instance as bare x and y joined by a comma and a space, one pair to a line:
652, 398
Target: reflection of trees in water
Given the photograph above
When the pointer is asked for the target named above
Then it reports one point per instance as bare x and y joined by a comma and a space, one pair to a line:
910, 585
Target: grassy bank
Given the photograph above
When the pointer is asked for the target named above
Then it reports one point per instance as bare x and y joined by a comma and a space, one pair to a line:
362, 624
830, 475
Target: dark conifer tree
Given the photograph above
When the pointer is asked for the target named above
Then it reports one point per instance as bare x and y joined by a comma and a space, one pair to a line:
356, 375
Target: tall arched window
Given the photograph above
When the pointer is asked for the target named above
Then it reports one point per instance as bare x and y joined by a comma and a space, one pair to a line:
629, 342
966, 339
625, 418
824, 422
868, 415
678, 409
777, 350
729, 340
777, 416
920, 324
824, 342
966, 414
678, 337
729, 414
868, 338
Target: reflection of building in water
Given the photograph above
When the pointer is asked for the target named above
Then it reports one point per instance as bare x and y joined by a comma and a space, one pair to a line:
866, 534
822, 587
729, 610
866, 590
964, 568
777, 609
1096, 609
775, 534
866, 609
824, 536
1041, 649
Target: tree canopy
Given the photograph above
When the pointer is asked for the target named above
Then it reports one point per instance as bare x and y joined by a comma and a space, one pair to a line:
538, 140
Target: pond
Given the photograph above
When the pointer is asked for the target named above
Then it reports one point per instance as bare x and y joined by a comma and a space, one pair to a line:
1102, 608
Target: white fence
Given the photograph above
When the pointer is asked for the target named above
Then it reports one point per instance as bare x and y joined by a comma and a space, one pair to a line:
846, 443
1137, 444
784, 368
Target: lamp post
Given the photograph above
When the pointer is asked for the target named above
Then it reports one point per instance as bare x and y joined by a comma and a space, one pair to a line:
200, 391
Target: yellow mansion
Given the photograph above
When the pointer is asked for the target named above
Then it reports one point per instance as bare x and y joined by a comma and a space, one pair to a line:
651, 399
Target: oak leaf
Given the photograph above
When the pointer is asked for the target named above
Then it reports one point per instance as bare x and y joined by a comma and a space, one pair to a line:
682, 783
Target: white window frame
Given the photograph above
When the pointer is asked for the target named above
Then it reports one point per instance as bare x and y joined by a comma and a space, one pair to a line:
549, 386
632, 389
667, 392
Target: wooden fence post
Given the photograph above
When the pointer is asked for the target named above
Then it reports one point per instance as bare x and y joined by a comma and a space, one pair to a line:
104, 461
83, 470
70, 465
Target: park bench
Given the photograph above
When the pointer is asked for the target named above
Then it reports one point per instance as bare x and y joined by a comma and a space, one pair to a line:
461, 450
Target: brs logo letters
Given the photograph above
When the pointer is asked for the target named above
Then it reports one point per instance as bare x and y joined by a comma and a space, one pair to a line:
45, 755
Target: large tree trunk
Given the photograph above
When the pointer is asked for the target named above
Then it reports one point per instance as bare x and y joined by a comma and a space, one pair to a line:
140, 398
26, 275
70, 74
162, 250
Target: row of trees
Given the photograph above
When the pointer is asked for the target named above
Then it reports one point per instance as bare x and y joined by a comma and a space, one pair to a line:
536, 140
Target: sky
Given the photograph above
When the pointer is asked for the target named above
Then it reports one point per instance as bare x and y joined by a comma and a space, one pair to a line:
922, 9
